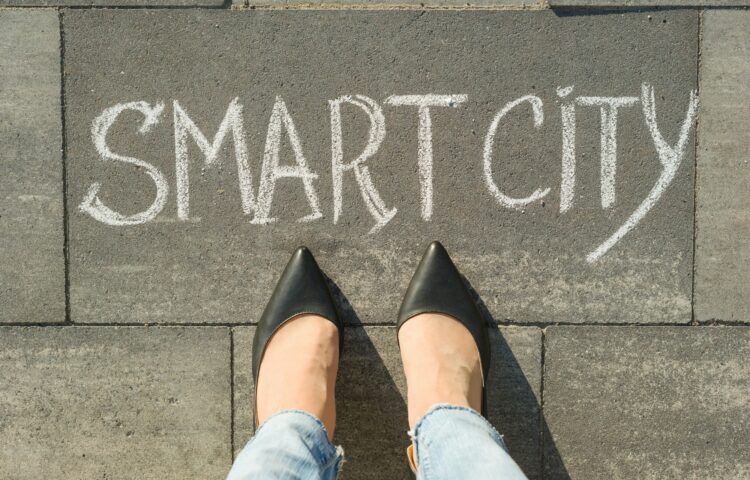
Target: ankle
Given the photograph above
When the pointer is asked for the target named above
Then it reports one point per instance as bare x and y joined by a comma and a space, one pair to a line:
442, 365
298, 370
419, 407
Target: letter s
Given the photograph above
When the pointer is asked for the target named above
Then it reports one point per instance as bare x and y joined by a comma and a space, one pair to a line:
91, 203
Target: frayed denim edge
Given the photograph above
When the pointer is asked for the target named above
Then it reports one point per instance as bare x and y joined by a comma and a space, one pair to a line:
446, 406
337, 452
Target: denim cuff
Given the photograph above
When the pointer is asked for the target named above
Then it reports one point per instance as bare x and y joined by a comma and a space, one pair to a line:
443, 414
309, 428
452, 442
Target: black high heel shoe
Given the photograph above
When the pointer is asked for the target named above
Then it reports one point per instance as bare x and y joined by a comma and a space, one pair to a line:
302, 289
437, 287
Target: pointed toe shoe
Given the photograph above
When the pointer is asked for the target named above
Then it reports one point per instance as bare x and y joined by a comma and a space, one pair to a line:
302, 289
438, 287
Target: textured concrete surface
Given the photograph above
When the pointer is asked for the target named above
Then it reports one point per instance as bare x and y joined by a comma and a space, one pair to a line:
589, 401
648, 402
372, 419
529, 264
722, 250
32, 278
396, 3
108, 402
112, 3
648, 3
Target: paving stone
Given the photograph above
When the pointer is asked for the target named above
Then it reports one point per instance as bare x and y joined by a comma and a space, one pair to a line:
649, 3
112, 3
213, 264
722, 253
648, 403
395, 3
114, 402
371, 399
32, 264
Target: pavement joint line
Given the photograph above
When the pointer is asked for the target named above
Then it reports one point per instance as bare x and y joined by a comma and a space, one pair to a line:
544, 6
696, 140
146, 7
64, 159
231, 394
393, 7
542, 463
577, 10
6, 8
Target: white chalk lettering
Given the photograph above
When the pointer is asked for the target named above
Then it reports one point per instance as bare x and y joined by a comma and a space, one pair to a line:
257, 204
568, 177
184, 126
424, 149
608, 107
91, 203
670, 158
271, 171
374, 203
502, 199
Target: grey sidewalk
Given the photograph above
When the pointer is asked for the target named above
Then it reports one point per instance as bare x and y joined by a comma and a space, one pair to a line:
125, 341
137, 402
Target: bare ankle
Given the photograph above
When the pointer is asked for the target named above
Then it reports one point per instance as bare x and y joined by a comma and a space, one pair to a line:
298, 370
441, 362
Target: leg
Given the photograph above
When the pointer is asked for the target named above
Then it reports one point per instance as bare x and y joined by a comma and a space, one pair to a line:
295, 405
451, 440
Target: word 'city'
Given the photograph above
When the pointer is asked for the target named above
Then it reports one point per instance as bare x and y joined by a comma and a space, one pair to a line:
256, 204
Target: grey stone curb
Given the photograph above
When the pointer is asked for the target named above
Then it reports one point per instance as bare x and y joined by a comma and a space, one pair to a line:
381, 4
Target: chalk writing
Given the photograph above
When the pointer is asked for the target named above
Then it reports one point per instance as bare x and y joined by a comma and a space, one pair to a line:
370, 195
258, 207
424, 156
184, 126
91, 203
272, 171
669, 157
609, 107
568, 181
502, 199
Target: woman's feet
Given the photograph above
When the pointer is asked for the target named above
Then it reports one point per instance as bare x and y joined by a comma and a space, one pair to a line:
443, 339
299, 369
441, 363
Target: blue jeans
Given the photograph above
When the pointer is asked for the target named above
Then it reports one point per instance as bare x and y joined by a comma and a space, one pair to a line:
450, 443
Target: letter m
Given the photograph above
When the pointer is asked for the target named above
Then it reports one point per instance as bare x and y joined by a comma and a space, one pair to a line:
184, 127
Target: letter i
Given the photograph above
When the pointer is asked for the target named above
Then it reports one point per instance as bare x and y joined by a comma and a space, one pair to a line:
568, 183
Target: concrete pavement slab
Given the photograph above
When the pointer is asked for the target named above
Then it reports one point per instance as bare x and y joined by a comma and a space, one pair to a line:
647, 402
722, 251
648, 3
112, 3
32, 263
371, 396
114, 402
394, 3
586, 217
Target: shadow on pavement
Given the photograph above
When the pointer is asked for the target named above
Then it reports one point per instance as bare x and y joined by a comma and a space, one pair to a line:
515, 410
372, 416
